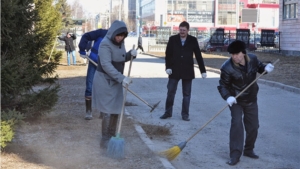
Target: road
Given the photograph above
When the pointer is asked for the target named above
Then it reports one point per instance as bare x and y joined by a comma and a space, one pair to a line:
279, 133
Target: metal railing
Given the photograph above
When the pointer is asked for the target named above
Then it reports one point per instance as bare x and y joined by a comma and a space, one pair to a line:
158, 44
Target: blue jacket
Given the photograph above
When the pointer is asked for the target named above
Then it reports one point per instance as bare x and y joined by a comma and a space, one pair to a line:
84, 44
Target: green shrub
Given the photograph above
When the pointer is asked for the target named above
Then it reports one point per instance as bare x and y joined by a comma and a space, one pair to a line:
7, 133
8, 121
39, 103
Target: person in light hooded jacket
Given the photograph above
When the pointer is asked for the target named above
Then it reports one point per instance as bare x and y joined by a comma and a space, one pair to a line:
109, 79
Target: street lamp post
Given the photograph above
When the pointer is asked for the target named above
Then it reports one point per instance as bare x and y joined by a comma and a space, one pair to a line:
172, 19
187, 12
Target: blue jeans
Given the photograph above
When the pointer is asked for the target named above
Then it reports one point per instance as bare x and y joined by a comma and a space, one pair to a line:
186, 92
73, 57
89, 79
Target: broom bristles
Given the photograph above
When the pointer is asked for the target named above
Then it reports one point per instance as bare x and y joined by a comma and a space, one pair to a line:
116, 148
171, 153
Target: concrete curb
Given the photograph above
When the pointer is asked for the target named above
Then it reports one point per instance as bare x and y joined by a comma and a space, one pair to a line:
149, 143
261, 81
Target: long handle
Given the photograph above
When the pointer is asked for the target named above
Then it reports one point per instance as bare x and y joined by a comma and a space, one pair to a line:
124, 99
52, 50
227, 104
90, 60
152, 107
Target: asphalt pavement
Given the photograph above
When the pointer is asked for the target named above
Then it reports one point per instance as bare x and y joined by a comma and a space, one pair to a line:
278, 142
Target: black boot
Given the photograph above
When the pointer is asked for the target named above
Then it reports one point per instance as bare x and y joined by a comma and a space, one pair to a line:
105, 131
88, 105
101, 115
113, 124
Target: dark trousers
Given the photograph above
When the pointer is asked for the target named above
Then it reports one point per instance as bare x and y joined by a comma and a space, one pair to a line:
140, 47
186, 92
250, 120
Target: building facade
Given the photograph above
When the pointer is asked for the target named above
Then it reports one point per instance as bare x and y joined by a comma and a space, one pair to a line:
289, 27
207, 14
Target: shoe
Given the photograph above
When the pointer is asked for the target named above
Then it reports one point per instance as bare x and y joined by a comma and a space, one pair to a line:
165, 116
88, 116
251, 155
233, 161
185, 119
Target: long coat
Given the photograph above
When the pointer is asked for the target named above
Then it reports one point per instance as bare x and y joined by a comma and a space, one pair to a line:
107, 96
180, 58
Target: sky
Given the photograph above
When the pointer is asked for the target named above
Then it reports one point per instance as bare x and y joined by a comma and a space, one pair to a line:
92, 6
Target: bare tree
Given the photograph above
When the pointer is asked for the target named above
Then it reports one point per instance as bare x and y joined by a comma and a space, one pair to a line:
77, 10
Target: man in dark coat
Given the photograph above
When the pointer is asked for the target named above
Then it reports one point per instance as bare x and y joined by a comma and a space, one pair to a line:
69, 46
140, 43
180, 65
236, 74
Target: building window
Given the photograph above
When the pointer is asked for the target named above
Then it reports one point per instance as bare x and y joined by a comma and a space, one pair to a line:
227, 12
290, 9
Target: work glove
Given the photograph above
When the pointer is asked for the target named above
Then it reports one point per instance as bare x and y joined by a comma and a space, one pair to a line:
169, 71
88, 53
126, 81
231, 100
269, 68
83, 54
203, 75
133, 52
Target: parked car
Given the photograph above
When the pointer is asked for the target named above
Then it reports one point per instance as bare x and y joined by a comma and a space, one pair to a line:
203, 43
151, 35
256, 42
223, 48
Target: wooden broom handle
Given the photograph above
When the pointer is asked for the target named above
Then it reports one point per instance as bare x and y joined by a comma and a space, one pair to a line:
227, 104
125, 93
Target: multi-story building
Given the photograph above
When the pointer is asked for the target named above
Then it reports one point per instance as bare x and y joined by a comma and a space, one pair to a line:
281, 16
207, 14
289, 27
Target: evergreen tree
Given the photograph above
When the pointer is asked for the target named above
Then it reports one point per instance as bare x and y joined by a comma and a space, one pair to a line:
65, 10
29, 29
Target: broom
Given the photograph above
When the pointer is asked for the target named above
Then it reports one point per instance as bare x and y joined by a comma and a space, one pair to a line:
173, 152
116, 145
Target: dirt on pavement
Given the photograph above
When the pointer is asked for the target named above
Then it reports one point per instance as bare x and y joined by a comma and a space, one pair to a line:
63, 139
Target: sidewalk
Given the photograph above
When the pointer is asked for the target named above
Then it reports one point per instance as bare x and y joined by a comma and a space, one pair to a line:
279, 132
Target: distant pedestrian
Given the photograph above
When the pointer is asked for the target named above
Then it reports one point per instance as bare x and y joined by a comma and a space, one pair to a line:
140, 43
84, 45
180, 66
69, 47
236, 74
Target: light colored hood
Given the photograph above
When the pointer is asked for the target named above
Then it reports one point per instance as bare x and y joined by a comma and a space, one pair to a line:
116, 27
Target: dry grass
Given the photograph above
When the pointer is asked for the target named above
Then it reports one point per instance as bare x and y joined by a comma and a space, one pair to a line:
287, 70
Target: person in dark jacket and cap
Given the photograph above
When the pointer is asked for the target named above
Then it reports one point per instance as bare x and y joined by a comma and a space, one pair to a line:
108, 80
140, 43
69, 47
236, 74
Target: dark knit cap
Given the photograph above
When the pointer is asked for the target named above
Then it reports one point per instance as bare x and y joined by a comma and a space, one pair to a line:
237, 46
